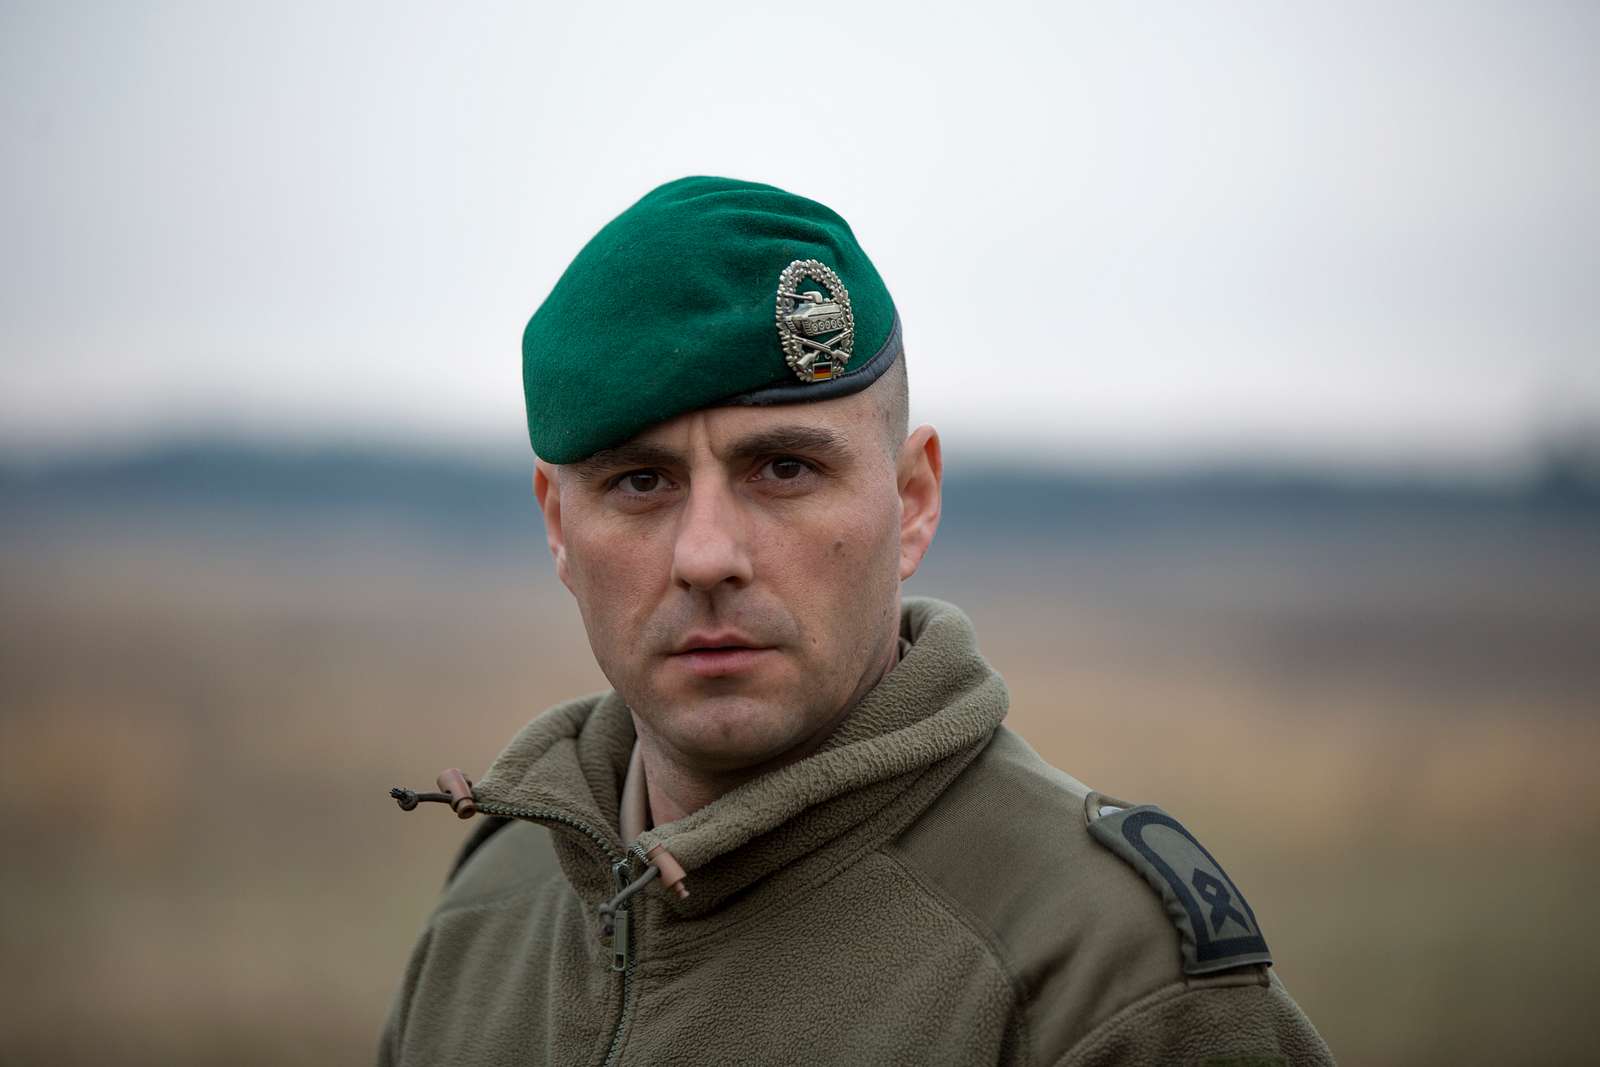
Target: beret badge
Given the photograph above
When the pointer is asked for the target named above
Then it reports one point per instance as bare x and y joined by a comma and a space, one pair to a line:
815, 326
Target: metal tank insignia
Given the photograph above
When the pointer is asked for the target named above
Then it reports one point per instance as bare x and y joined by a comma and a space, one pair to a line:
817, 329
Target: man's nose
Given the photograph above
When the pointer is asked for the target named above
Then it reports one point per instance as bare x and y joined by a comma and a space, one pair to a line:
711, 546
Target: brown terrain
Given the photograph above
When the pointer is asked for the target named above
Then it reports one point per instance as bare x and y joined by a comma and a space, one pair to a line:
1385, 728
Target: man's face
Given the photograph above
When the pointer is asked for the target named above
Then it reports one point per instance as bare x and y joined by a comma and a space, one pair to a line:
738, 569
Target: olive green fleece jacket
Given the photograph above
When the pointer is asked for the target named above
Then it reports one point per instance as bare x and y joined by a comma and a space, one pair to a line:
921, 890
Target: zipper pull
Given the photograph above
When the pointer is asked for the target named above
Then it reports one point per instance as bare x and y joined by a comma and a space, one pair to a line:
621, 949
614, 913
616, 918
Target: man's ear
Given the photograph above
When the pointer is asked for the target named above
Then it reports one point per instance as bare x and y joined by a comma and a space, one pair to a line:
919, 475
547, 490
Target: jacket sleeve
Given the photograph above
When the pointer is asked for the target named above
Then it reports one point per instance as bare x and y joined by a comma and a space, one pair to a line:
1248, 1020
394, 1027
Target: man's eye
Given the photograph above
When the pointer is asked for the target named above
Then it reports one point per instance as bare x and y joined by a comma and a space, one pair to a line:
642, 481
786, 468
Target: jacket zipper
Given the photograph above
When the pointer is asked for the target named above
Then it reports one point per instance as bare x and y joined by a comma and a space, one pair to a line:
622, 934
622, 958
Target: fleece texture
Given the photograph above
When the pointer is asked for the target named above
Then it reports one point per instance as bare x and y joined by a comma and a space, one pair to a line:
671, 308
922, 890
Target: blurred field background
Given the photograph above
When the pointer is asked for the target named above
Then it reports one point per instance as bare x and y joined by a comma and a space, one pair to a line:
1376, 704
1263, 342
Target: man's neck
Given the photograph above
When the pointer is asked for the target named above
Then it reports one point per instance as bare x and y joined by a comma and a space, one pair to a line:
673, 794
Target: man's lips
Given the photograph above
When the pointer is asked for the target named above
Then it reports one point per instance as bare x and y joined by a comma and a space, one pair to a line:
718, 655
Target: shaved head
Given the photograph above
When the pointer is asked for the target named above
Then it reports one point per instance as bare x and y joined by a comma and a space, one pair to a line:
891, 395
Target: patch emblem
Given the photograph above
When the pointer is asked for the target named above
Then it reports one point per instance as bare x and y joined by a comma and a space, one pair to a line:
816, 327
1214, 922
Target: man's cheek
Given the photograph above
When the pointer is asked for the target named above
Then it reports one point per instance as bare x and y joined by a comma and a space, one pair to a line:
609, 566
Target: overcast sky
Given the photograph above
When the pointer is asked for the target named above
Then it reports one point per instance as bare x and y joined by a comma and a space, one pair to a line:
1365, 235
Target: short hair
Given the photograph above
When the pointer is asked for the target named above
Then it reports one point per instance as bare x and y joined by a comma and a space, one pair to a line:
892, 396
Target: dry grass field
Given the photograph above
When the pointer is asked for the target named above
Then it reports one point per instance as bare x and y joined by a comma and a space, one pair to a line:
1385, 729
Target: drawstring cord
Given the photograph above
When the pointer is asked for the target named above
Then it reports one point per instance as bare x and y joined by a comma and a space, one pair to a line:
608, 910
672, 872
409, 798
457, 792
662, 865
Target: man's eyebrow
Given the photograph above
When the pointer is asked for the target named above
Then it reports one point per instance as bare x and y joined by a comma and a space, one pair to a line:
805, 440
626, 456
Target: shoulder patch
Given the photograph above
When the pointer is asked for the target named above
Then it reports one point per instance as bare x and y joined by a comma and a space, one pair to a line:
1214, 922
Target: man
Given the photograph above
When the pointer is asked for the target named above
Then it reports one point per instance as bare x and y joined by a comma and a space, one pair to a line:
796, 830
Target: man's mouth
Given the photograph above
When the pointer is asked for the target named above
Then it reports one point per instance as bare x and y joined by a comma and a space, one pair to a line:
718, 655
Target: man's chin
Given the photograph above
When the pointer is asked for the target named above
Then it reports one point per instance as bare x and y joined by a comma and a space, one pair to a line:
732, 733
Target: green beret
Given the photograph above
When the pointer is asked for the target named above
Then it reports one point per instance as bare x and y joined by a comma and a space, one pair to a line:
707, 292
